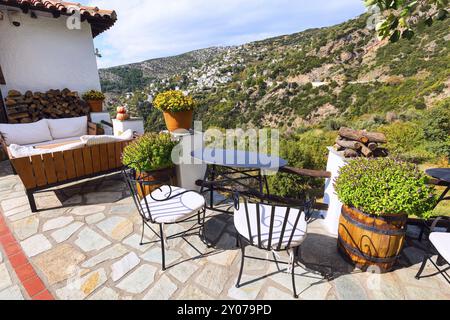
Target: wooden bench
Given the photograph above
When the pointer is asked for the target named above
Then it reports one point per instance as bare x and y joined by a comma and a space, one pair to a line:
40, 172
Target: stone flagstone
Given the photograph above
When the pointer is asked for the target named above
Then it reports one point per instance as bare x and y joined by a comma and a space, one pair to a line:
59, 263
103, 197
155, 255
214, 278
276, 294
65, 233
134, 242
20, 214
5, 279
116, 227
35, 245
87, 210
25, 228
184, 271
348, 288
139, 280
249, 291
162, 290
105, 294
89, 240
110, 254
57, 223
80, 288
95, 218
12, 293
193, 293
8, 205
123, 266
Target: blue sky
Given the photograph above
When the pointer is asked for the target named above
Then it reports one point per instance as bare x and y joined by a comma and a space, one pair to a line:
158, 28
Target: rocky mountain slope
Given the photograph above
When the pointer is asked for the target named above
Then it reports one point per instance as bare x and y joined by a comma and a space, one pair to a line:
320, 77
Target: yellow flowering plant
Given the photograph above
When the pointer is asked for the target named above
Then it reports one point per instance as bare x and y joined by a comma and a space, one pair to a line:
174, 101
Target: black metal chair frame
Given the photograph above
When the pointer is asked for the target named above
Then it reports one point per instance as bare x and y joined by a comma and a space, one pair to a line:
133, 183
307, 208
229, 177
440, 259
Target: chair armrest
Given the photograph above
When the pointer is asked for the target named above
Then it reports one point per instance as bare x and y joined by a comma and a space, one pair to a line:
437, 220
306, 172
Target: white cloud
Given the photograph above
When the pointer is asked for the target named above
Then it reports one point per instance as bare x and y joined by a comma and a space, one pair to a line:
155, 28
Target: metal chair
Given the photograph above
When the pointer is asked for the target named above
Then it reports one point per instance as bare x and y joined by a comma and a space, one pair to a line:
272, 228
440, 243
165, 205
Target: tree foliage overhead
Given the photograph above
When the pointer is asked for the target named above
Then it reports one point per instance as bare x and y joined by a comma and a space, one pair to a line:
399, 17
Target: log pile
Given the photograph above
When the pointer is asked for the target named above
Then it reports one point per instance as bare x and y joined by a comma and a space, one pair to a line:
360, 143
53, 104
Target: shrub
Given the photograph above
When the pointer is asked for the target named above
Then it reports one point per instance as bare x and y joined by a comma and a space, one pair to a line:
150, 152
309, 151
93, 95
174, 101
385, 186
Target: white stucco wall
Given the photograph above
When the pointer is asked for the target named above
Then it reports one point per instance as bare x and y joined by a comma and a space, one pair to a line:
44, 54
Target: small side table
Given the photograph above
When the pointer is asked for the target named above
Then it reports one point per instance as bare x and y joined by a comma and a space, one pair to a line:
135, 124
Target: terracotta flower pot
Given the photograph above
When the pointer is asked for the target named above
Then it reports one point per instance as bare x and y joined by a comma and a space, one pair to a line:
95, 105
178, 120
165, 176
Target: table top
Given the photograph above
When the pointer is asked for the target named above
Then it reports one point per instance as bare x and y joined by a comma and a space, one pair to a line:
238, 159
440, 174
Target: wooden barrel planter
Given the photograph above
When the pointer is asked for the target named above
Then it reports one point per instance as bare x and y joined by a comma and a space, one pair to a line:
165, 176
369, 241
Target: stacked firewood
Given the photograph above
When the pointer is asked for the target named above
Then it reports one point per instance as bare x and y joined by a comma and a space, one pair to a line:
53, 104
360, 143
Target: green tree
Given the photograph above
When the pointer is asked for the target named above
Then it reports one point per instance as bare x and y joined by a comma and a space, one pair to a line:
400, 16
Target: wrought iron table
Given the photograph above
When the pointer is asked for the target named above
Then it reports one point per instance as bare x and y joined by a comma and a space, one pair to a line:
234, 167
443, 175
443, 179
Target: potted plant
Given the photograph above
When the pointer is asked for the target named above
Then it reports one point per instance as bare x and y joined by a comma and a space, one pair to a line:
95, 100
378, 196
177, 109
151, 157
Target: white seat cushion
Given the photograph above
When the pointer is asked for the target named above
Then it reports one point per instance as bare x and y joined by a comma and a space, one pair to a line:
26, 134
240, 223
177, 209
441, 241
70, 127
54, 142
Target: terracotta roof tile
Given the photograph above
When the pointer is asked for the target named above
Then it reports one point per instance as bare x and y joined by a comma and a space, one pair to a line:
101, 20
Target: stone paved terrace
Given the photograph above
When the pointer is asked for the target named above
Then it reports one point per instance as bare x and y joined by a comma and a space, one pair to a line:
89, 249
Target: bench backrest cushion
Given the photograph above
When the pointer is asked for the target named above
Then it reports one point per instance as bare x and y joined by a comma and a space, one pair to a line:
68, 128
25, 134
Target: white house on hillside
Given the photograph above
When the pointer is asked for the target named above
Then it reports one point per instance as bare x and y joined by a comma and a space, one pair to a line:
49, 45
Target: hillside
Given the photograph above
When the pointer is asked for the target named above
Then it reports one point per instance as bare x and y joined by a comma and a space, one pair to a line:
311, 83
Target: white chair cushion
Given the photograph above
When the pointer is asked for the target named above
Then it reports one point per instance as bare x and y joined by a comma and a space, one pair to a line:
66, 128
96, 140
25, 134
240, 223
177, 209
441, 241
17, 151
54, 142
